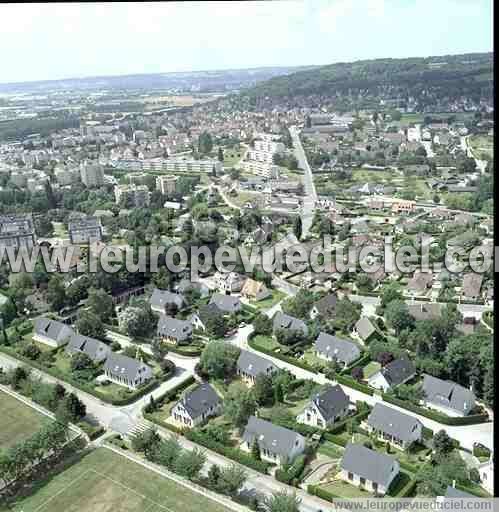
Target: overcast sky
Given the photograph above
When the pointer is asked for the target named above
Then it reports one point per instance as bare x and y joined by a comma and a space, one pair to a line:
50, 41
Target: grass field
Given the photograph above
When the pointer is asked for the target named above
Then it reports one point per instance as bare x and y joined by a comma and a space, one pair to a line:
106, 482
17, 421
370, 369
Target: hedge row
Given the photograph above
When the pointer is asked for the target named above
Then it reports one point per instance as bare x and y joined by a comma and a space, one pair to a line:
352, 383
407, 490
360, 362
286, 359
340, 425
315, 490
185, 352
293, 475
335, 439
435, 415
152, 385
235, 454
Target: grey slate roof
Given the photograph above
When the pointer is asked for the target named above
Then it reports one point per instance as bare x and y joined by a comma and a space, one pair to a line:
160, 298
52, 329
253, 364
283, 321
96, 350
331, 402
327, 305
208, 311
364, 327
272, 437
393, 422
398, 371
337, 348
185, 285
422, 311
119, 365
174, 328
227, 303
447, 393
366, 463
200, 399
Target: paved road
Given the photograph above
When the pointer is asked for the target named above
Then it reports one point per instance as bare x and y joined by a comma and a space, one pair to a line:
308, 207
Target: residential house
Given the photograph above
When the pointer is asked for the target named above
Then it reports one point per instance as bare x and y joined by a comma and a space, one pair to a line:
196, 406
51, 332
425, 310
251, 365
229, 282
162, 300
96, 350
472, 285
185, 286
368, 469
393, 374
277, 444
325, 408
126, 371
204, 314
254, 290
85, 230
333, 348
226, 303
288, 322
364, 328
447, 396
419, 284
394, 426
174, 331
325, 307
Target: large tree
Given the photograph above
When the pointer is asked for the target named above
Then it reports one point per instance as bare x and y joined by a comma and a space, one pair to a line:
219, 359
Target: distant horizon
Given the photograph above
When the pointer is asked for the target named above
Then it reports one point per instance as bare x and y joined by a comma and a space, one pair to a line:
225, 70
51, 41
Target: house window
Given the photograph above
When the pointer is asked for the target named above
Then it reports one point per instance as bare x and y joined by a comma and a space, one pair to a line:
362, 481
308, 416
375, 486
350, 476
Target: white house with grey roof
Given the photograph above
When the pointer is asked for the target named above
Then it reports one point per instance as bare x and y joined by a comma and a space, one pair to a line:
288, 322
251, 365
331, 348
393, 374
277, 444
96, 350
51, 332
325, 307
325, 408
196, 406
363, 328
161, 300
396, 427
174, 331
447, 396
228, 304
368, 469
126, 371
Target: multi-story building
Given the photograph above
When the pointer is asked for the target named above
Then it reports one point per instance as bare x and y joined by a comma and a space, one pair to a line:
166, 184
131, 195
138, 178
261, 168
66, 176
92, 174
17, 231
85, 230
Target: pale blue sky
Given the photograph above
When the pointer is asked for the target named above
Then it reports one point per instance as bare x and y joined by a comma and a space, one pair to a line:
50, 41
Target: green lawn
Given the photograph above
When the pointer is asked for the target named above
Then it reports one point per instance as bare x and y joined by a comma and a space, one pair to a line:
104, 481
482, 145
330, 450
275, 297
344, 490
17, 421
371, 368
267, 342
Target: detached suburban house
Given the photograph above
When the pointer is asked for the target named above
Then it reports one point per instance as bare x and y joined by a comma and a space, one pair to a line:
200, 319
419, 284
96, 350
51, 332
332, 348
126, 371
364, 328
251, 365
393, 374
472, 285
255, 290
394, 426
161, 300
368, 469
447, 396
283, 321
226, 303
174, 331
229, 282
325, 408
325, 307
277, 444
196, 406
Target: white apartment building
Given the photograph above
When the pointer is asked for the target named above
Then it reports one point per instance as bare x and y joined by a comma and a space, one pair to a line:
131, 195
92, 174
166, 184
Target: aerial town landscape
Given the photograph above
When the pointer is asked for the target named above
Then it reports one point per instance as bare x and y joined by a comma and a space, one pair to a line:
284, 388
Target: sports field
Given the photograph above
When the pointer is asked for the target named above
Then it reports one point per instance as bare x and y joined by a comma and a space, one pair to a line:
104, 481
17, 420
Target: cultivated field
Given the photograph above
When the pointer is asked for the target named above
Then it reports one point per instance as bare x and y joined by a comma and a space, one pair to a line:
107, 482
17, 421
